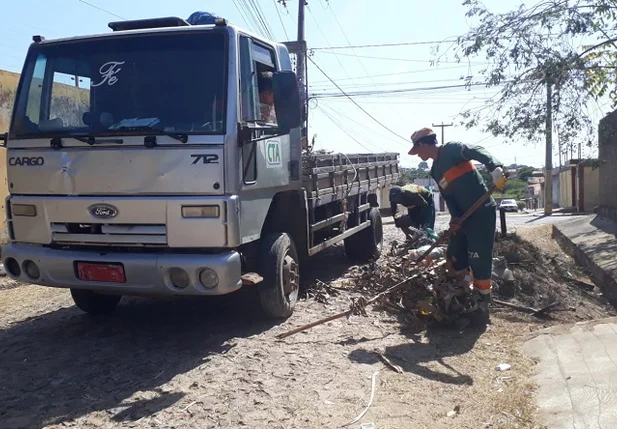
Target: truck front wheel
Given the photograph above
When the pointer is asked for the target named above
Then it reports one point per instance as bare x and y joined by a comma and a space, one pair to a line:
366, 245
94, 303
278, 293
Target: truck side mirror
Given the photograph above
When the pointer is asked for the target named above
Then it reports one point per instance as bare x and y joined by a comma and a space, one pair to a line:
286, 100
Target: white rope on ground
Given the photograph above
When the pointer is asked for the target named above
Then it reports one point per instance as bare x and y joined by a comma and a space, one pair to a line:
370, 401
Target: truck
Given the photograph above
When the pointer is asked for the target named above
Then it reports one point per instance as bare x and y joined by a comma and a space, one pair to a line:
139, 163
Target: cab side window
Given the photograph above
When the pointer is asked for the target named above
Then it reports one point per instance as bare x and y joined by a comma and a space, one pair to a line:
257, 97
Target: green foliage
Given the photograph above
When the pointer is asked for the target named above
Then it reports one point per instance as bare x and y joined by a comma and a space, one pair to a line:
515, 188
525, 173
532, 47
521, 205
408, 175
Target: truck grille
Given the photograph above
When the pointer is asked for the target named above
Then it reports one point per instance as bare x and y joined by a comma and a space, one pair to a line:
109, 234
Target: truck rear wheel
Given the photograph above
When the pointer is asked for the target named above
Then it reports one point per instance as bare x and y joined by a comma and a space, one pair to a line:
366, 244
278, 293
94, 303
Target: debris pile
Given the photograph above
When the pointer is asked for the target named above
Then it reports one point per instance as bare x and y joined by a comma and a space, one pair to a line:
524, 278
429, 292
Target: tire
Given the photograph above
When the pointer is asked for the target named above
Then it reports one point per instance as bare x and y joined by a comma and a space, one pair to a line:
278, 292
366, 245
94, 303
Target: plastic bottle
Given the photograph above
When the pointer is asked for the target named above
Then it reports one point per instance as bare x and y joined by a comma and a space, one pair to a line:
436, 253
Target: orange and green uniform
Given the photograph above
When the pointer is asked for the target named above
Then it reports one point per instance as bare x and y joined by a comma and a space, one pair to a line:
461, 185
419, 203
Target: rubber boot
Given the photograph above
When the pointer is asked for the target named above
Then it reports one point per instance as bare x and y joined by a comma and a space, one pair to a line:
483, 317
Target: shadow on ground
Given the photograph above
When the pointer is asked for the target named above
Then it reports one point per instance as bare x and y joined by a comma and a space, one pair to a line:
328, 265
414, 356
64, 364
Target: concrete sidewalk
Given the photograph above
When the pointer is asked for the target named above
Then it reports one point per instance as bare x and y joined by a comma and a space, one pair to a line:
577, 369
593, 242
577, 375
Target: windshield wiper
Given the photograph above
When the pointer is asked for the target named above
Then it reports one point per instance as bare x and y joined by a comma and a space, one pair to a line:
178, 136
56, 142
91, 140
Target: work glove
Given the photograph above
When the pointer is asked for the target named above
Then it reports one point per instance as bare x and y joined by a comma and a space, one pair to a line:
499, 178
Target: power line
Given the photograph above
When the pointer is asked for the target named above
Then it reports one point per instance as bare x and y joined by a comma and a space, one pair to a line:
328, 42
345, 131
370, 130
398, 59
364, 85
385, 45
399, 73
278, 12
354, 102
390, 108
102, 10
248, 17
393, 91
261, 18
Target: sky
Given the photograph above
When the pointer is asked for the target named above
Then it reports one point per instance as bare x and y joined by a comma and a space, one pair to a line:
374, 123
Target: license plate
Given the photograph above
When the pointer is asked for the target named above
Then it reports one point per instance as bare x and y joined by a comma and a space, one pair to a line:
113, 273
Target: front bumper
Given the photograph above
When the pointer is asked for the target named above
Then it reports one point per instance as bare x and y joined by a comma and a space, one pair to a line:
146, 273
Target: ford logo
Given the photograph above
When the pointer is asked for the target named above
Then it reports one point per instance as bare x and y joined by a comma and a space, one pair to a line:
105, 211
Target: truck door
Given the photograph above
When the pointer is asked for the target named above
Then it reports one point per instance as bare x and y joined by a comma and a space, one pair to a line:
265, 163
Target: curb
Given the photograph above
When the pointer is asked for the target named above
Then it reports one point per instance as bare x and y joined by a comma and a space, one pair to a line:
607, 283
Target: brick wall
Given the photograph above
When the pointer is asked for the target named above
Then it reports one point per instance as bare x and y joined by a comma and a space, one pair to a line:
607, 153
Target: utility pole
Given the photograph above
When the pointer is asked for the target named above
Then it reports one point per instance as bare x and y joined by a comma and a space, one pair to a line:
442, 126
301, 68
548, 172
558, 144
302, 55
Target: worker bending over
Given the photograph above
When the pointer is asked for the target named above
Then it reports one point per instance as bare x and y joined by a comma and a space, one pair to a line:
471, 243
419, 204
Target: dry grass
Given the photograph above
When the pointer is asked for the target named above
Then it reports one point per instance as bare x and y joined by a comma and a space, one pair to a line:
8, 86
541, 236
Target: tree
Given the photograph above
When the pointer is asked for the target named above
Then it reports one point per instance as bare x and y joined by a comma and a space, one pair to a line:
423, 166
525, 173
567, 45
408, 175
515, 188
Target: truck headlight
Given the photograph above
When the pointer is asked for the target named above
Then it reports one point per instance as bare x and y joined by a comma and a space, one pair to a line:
23, 210
201, 211
209, 278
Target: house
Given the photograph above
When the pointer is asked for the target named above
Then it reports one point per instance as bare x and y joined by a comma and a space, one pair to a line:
579, 185
534, 195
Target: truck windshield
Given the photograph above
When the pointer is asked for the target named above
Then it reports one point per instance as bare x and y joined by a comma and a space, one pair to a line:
146, 84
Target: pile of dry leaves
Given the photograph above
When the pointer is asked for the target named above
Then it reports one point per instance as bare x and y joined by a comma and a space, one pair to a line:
526, 279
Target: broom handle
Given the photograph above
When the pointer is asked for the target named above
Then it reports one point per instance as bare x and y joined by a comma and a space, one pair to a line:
465, 216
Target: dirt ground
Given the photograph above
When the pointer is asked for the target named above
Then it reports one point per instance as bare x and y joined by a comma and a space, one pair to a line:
213, 363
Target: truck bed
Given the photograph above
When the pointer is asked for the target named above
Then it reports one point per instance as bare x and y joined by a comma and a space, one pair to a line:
332, 177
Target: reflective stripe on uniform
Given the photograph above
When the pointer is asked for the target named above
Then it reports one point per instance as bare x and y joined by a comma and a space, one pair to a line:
483, 286
455, 172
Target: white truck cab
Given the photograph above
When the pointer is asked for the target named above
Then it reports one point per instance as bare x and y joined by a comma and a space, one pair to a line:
141, 162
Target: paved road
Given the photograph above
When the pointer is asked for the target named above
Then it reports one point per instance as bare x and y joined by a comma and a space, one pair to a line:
512, 220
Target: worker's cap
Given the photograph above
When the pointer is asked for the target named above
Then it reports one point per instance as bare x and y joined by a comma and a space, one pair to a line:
419, 137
